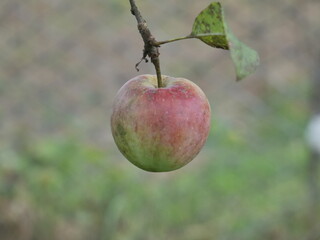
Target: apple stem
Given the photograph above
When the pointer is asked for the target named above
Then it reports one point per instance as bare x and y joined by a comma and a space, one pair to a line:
156, 63
151, 49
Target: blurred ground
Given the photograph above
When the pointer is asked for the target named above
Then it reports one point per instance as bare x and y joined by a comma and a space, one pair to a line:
61, 176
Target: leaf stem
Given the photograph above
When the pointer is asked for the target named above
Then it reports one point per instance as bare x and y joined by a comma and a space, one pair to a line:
174, 40
189, 37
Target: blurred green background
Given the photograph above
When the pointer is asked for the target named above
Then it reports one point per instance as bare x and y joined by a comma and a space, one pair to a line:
61, 175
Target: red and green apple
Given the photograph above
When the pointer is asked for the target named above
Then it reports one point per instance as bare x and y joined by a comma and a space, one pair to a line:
160, 129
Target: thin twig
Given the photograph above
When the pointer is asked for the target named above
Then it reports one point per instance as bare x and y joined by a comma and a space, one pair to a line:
150, 48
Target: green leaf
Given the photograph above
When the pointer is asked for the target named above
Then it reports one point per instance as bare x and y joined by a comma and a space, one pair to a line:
211, 28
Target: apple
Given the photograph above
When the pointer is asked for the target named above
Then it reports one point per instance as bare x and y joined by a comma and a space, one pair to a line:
160, 129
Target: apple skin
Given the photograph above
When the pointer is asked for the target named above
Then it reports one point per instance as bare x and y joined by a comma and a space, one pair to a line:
160, 129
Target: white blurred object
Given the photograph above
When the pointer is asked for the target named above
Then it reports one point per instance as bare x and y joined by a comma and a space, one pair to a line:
313, 133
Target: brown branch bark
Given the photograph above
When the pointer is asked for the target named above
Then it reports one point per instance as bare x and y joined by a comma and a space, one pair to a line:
150, 44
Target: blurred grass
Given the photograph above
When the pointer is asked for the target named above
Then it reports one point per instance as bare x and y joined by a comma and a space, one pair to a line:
242, 186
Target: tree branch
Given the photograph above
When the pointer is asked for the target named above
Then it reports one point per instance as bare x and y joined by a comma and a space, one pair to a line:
150, 44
